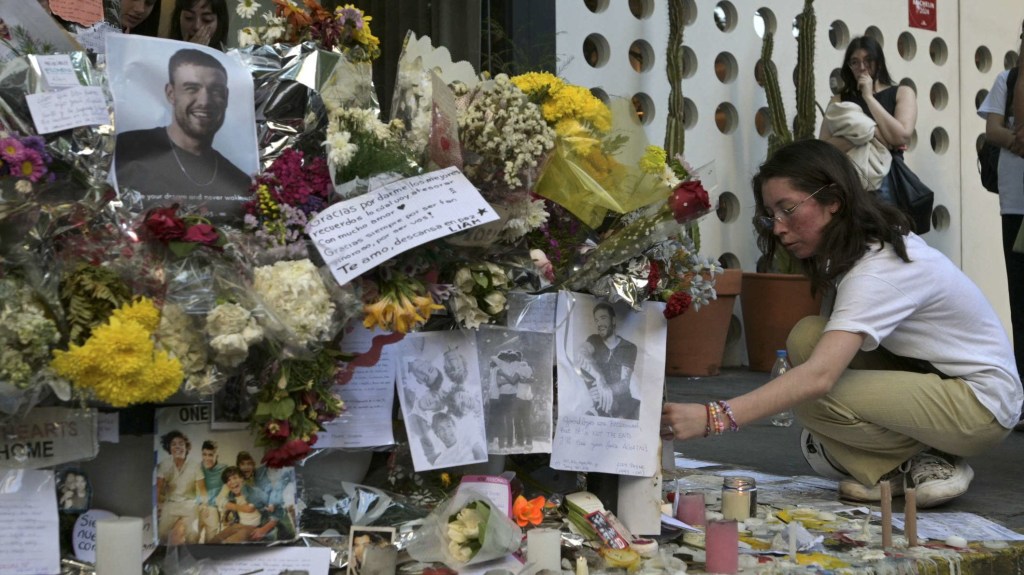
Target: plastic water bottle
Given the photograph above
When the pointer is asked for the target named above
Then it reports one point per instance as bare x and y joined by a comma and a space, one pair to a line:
784, 418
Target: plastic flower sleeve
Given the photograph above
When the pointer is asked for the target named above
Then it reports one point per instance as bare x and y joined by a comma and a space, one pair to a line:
451, 536
330, 505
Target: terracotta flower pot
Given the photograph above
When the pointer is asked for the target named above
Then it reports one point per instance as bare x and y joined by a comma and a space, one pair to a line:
696, 339
772, 304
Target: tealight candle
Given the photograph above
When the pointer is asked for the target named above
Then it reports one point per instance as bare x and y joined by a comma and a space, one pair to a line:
119, 546
722, 547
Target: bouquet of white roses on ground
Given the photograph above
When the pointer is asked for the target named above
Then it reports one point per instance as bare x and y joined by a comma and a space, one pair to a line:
466, 530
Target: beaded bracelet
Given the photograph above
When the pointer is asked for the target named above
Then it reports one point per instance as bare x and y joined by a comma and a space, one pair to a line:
733, 426
715, 423
707, 425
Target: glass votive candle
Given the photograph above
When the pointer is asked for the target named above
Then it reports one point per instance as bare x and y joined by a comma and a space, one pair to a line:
722, 547
690, 509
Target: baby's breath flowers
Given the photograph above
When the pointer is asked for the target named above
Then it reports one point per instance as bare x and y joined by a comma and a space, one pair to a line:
119, 363
27, 334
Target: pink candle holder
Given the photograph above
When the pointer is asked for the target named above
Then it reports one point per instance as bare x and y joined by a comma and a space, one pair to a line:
690, 509
722, 547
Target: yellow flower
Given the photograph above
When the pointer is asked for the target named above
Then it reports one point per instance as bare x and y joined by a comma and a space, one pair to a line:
141, 311
653, 160
532, 83
378, 314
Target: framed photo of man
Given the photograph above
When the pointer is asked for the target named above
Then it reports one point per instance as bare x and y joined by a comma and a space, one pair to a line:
362, 540
185, 121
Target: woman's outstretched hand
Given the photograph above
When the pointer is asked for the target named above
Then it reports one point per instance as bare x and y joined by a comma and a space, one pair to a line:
683, 420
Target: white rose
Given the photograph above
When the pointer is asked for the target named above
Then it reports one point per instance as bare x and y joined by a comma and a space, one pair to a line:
227, 318
231, 349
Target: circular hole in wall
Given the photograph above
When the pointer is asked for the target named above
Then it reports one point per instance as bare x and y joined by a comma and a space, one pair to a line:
595, 50
913, 141
596, 6
641, 56
875, 33
907, 46
729, 261
600, 94
689, 113
838, 34
764, 21
728, 207
983, 59
979, 98
1010, 60
641, 9
689, 62
938, 51
763, 121
909, 82
835, 81
939, 96
726, 117
689, 12
725, 67
759, 73
725, 16
644, 106
939, 141
940, 218
735, 332
979, 142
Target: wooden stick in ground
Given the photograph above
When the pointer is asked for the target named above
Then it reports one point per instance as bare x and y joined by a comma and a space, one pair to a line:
886, 489
910, 516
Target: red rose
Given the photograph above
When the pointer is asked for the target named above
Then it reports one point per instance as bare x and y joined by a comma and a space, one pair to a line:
202, 234
689, 201
653, 277
677, 304
164, 224
288, 454
277, 429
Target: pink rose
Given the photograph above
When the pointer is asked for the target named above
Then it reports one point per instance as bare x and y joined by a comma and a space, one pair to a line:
689, 201
202, 234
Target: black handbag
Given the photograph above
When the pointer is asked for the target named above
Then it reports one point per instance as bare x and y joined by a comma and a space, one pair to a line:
911, 195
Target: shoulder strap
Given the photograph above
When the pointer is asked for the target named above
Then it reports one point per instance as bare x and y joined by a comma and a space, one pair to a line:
1011, 83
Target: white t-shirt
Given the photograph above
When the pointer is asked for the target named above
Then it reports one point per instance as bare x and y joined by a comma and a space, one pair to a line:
1011, 166
181, 483
928, 309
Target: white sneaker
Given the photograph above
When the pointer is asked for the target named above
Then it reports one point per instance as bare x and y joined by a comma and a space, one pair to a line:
819, 461
854, 490
938, 479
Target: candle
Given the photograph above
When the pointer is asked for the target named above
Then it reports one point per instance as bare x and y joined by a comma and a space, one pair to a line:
119, 546
722, 547
544, 549
886, 489
910, 516
792, 540
737, 497
581, 566
690, 508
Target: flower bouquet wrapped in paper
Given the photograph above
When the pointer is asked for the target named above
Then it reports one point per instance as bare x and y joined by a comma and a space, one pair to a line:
466, 530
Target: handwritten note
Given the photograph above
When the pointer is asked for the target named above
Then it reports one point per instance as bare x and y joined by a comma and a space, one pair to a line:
57, 71
496, 489
84, 12
29, 532
83, 538
108, 427
368, 396
225, 560
71, 108
355, 235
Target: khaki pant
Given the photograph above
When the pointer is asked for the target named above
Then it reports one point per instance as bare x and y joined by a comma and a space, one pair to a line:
883, 410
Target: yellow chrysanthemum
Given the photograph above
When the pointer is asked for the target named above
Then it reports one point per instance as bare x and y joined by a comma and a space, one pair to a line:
653, 160
537, 82
581, 141
141, 311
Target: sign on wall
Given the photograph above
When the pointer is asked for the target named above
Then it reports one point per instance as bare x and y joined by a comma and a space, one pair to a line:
922, 14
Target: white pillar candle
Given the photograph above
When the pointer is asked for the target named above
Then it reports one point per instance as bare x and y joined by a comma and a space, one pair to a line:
119, 546
581, 566
544, 549
792, 540
735, 505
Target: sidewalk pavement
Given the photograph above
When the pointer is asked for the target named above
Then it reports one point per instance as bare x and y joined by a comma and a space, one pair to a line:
995, 493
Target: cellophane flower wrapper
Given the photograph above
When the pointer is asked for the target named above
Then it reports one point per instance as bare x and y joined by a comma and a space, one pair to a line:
499, 534
590, 182
330, 505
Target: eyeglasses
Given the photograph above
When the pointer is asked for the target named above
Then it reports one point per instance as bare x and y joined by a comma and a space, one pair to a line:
768, 222
866, 63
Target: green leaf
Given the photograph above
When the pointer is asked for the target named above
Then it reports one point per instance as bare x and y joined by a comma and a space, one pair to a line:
282, 409
262, 408
181, 249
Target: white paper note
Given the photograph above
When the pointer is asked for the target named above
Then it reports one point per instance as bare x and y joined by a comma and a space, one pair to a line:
355, 235
29, 532
108, 427
247, 560
57, 71
71, 108
368, 396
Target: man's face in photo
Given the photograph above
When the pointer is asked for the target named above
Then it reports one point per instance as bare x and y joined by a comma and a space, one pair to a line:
446, 431
235, 482
248, 467
209, 458
199, 97
605, 323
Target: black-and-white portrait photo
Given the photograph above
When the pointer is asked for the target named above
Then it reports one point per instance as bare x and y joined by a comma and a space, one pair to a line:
73, 491
440, 392
517, 375
185, 123
606, 362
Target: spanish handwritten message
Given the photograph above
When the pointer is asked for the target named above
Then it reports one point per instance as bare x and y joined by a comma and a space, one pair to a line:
29, 538
355, 235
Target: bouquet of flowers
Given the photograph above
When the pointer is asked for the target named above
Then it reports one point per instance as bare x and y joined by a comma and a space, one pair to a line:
346, 29
465, 530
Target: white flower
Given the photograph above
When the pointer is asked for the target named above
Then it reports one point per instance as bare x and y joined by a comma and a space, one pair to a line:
466, 311
247, 8
23, 187
231, 349
339, 150
248, 37
460, 553
227, 318
495, 301
296, 294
